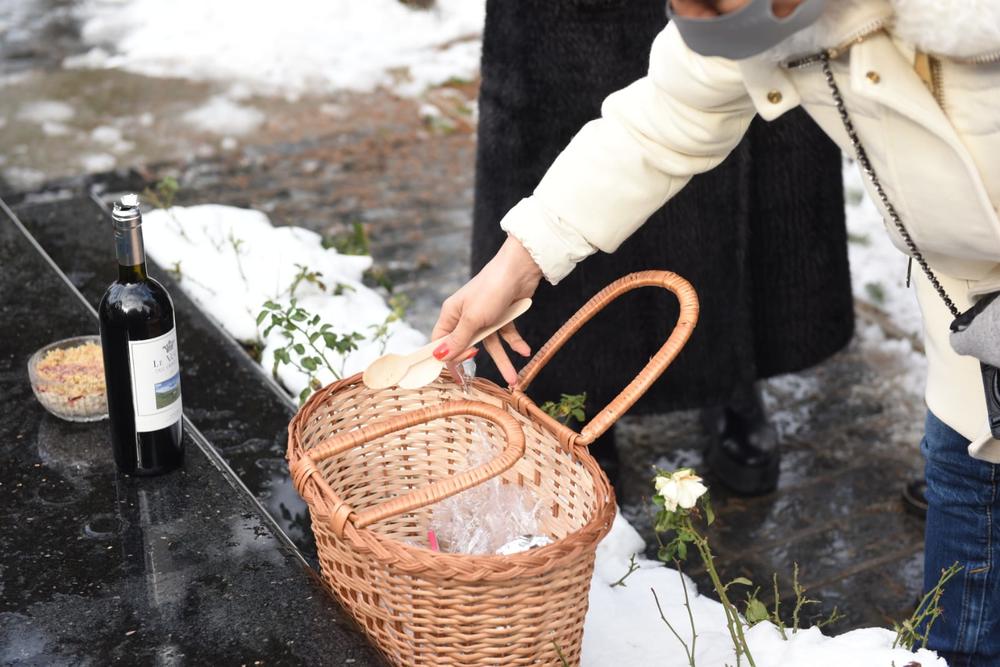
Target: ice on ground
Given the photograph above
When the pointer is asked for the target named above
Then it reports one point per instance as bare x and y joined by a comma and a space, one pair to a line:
112, 138
97, 162
222, 116
54, 129
291, 47
623, 625
24, 178
789, 400
230, 261
105, 134
46, 110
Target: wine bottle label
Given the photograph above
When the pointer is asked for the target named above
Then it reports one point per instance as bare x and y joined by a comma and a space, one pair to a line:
156, 381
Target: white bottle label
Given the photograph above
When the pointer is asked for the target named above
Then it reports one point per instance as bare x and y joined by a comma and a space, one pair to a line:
156, 381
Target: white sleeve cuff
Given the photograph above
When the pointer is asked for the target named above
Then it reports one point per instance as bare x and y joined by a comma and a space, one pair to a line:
554, 245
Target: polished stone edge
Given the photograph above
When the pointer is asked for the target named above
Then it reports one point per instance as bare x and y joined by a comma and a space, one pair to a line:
210, 452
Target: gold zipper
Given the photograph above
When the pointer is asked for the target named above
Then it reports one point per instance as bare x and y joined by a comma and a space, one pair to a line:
984, 59
937, 85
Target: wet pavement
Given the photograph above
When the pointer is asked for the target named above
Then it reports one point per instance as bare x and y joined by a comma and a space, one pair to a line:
98, 568
850, 427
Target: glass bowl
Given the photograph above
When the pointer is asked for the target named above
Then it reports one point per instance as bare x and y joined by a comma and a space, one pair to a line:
68, 388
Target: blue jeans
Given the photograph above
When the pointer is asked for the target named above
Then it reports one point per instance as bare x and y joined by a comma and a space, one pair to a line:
963, 525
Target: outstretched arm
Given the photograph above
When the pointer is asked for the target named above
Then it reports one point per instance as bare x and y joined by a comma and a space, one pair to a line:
682, 119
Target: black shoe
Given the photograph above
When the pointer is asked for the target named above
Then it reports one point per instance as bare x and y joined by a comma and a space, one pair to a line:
915, 497
743, 447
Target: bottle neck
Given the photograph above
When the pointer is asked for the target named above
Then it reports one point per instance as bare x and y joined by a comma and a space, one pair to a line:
130, 251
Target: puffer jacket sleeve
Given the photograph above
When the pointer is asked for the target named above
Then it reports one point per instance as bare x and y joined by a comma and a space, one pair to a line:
682, 119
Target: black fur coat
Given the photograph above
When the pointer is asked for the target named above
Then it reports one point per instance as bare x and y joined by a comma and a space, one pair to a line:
762, 237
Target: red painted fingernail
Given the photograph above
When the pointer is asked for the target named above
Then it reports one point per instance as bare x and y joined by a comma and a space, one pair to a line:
472, 355
441, 351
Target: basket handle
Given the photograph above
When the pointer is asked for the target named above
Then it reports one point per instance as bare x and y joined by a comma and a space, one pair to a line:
340, 512
654, 368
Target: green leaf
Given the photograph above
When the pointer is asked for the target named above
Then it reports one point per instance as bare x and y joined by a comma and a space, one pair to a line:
663, 553
330, 339
578, 415
308, 363
756, 611
682, 550
313, 337
270, 305
709, 512
742, 581
304, 394
300, 348
261, 317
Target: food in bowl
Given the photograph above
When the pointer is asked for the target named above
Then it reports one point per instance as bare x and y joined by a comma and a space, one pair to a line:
68, 379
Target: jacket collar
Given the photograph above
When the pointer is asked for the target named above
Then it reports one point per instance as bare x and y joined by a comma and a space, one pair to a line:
842, 23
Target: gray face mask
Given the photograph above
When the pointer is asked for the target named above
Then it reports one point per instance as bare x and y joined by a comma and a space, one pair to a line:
744, 33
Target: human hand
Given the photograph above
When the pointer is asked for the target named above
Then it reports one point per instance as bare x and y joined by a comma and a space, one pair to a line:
509, 276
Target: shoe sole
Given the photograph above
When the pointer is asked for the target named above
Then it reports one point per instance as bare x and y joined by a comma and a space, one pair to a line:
744, 480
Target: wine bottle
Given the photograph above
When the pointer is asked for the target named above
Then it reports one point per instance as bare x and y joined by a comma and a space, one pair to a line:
141, 368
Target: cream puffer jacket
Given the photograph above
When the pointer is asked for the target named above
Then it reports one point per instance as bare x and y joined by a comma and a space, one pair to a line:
936, 149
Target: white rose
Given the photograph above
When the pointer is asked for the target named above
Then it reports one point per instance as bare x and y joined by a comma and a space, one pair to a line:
680, 489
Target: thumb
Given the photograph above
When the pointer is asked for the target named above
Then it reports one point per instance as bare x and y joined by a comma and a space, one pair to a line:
457, 342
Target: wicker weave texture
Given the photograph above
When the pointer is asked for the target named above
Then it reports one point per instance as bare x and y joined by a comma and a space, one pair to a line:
372, 463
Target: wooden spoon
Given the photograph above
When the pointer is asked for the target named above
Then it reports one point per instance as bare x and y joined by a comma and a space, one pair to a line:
419, 367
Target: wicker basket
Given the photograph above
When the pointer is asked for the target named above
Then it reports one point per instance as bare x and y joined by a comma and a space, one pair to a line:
370, 464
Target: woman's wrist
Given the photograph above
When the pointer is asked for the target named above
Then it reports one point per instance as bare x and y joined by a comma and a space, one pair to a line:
518, 259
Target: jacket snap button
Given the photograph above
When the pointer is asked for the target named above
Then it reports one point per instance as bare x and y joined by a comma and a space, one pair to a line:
774, 96
873, 76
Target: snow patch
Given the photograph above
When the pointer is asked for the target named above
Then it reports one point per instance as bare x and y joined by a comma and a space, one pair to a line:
291, 47
24, 178
223, 116
231, 260
46, 110
623, 625
105, 134
54, 129
97, 162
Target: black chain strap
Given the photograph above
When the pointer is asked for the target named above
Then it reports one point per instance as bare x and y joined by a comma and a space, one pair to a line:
866, 166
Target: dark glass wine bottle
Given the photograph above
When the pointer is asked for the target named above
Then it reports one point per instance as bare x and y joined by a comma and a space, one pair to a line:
140, 357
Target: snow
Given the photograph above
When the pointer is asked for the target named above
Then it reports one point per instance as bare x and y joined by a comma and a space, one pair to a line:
24, 178
46, 110
223, 116
230, 261
106, 134
623, 626
53, 129
97, 162
290, 47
